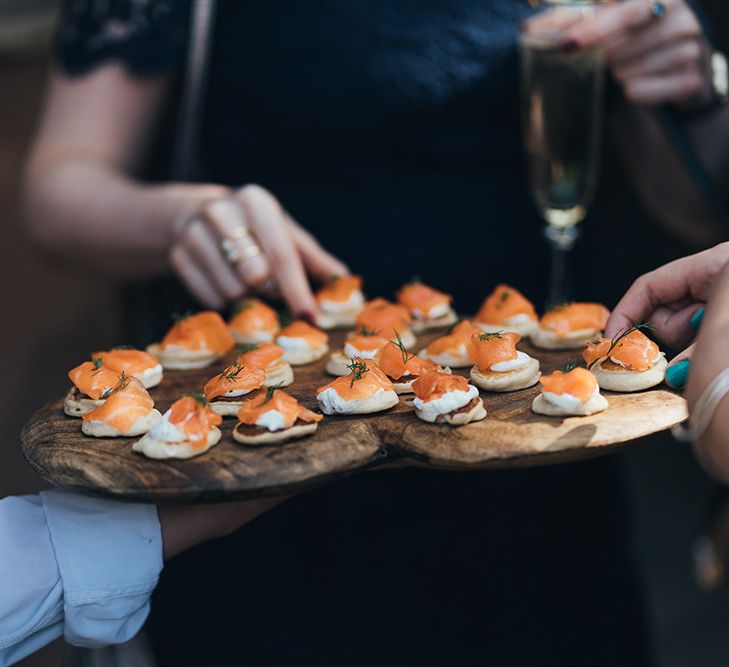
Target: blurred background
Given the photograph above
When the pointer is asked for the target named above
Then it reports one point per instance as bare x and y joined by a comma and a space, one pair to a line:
53, 316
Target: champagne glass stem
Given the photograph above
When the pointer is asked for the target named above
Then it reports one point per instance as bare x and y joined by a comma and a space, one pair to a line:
562, 240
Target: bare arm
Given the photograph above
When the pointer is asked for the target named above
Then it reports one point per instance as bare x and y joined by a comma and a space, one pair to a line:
80, 198
710, 357
84, 203
184, 526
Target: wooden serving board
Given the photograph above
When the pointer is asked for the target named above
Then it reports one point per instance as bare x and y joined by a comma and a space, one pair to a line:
511, 436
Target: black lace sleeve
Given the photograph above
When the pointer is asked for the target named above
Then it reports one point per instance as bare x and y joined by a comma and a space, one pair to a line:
147, 36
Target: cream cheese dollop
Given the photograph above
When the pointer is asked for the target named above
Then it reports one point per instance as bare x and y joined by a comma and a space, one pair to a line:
350, 351
355, 300
448, 402
438, 310
567, 402
291, 343
521, 361
332, 403
164, 431
273, 420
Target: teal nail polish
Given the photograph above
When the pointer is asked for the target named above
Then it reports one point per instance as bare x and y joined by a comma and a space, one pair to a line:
696, 319
677, 375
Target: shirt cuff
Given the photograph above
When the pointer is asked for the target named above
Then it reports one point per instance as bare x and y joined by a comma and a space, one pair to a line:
109, 556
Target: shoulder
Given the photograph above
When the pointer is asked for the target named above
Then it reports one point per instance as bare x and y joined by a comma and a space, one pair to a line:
147, 36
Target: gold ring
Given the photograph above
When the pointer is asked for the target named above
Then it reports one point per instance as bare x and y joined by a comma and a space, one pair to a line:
238, 232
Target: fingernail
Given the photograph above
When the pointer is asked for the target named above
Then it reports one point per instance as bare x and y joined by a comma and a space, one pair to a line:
696, 319
677, 375
569, 45
307, 317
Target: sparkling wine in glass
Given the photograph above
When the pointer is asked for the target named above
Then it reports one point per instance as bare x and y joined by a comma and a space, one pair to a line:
562, 99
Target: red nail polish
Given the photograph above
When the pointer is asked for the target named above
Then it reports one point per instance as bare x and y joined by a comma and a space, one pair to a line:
569, 45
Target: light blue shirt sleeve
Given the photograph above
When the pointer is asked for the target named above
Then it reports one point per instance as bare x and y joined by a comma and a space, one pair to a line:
71, 565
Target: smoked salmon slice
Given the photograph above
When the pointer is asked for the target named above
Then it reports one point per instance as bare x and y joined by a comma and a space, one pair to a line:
503, 304
578, 382
275, 399
203, 331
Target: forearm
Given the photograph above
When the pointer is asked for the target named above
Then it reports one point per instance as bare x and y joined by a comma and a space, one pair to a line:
710, 358
184, 526
659, 176
80, 208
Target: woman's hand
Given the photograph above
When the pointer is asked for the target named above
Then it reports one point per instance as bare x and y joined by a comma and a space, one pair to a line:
670, 298
245, 242
657, 51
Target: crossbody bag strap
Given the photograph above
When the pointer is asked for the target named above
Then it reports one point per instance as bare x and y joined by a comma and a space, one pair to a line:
202, 21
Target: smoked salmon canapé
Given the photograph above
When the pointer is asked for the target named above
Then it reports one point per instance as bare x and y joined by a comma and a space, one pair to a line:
92, 384
385, 318
364, 344
194, 341
135, 363
403, 367
129, 410
447, 399
271, 416
302, 343
224, 391
253, 322
267, 357
629, 362
189, 428
455, 349
429, 308
571, 393
505, 310
570, 326
499, 365
363, 390
339, 302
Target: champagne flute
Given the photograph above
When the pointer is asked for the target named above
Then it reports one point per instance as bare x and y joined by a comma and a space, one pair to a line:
562, 100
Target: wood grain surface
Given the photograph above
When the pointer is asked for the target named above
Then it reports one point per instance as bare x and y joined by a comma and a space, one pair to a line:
511, 436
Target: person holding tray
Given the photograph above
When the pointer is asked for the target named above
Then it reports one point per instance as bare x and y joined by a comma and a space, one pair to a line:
390, 132
84, 568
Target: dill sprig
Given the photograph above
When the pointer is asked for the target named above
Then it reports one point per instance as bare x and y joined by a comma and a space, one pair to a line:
179, 317
643, 326
505, 294
197, 397
97, 362
364, 331
245, 347
406, 356
123, 382
231, 373
491, 335
284, 318
241, 305
270, 391
124, 347
358, 369
569, 366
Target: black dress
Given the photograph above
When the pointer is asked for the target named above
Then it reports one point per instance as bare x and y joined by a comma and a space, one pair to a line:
390, 128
